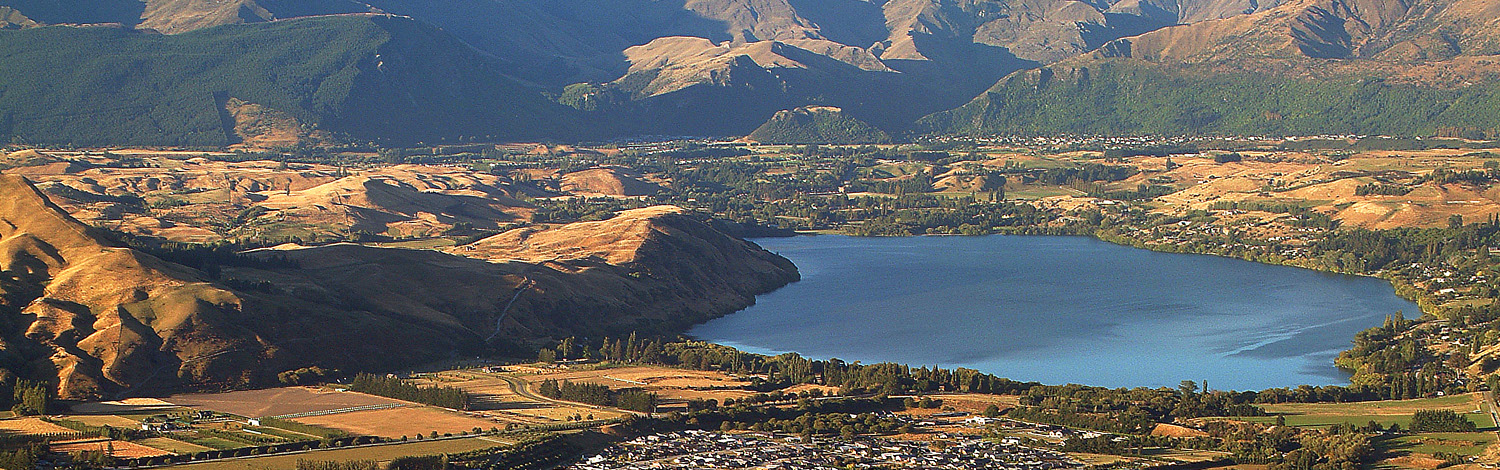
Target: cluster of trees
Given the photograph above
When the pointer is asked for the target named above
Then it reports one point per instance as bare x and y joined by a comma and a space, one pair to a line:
595, 394
1115, 445
24, 457
304, 464
1128, 422
1445, 176
1087, 173
393, 387
1381, 189
305, 375
212, 258
1326, 451
918, 183
29, 398
1440, 421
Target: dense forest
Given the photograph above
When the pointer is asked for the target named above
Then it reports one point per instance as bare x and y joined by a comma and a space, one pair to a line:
366, 78
1125, 97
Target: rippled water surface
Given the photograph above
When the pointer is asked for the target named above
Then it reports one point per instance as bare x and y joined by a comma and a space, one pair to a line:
1059, 310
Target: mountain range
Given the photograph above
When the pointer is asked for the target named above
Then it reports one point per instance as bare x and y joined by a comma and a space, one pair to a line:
182, 72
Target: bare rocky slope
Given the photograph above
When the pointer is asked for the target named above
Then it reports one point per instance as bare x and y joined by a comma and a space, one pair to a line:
101, 319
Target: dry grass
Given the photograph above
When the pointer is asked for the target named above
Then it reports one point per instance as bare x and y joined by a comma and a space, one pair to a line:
28, 426
377, 453
104, 420
494, 401
129, 405
397, 422
1172, 430
173, 445
668, 383
278, 401
121, 449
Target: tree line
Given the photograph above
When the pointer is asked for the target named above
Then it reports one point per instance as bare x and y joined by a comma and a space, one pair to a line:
596, 394
393, 387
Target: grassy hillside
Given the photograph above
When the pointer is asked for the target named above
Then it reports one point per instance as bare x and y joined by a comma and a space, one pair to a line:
367, 77
1124, 96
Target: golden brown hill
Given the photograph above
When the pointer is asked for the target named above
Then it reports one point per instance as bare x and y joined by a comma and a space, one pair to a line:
102, 319
683, 268
610, 181
200, 200
380, 204
109, 316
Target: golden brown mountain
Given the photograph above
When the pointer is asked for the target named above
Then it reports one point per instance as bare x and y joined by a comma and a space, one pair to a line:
102, 319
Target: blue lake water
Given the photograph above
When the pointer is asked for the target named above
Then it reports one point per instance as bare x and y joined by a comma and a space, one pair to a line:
1059, 310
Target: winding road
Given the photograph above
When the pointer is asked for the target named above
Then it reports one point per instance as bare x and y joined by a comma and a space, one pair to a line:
518, 387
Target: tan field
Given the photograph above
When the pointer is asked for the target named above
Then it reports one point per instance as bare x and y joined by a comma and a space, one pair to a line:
397, 422
173, 445
278, 401
972, 403
380, 454
668, 383
30, 426
129, 405
104, 420
119, 449
493, 400
1172, 430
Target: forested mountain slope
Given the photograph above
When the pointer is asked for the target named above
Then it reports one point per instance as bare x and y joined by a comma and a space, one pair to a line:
1304, 67
368, 77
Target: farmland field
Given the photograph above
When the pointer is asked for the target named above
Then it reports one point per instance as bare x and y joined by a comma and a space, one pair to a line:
278, 401
29, 426
397, 422
493, 398
376, 453
666, 382
104, 420
121, 449
1383, 412
173, 445
127, 406
1462, 443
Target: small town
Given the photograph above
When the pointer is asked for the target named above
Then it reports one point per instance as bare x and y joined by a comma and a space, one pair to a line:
705, 449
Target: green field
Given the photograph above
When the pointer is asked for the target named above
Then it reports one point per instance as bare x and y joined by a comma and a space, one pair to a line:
1462, 443
376, 453
1383, 412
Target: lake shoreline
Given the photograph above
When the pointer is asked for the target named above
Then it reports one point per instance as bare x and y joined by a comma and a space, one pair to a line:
1325, 353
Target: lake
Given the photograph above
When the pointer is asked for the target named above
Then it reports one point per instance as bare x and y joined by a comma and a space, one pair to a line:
1059, 310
